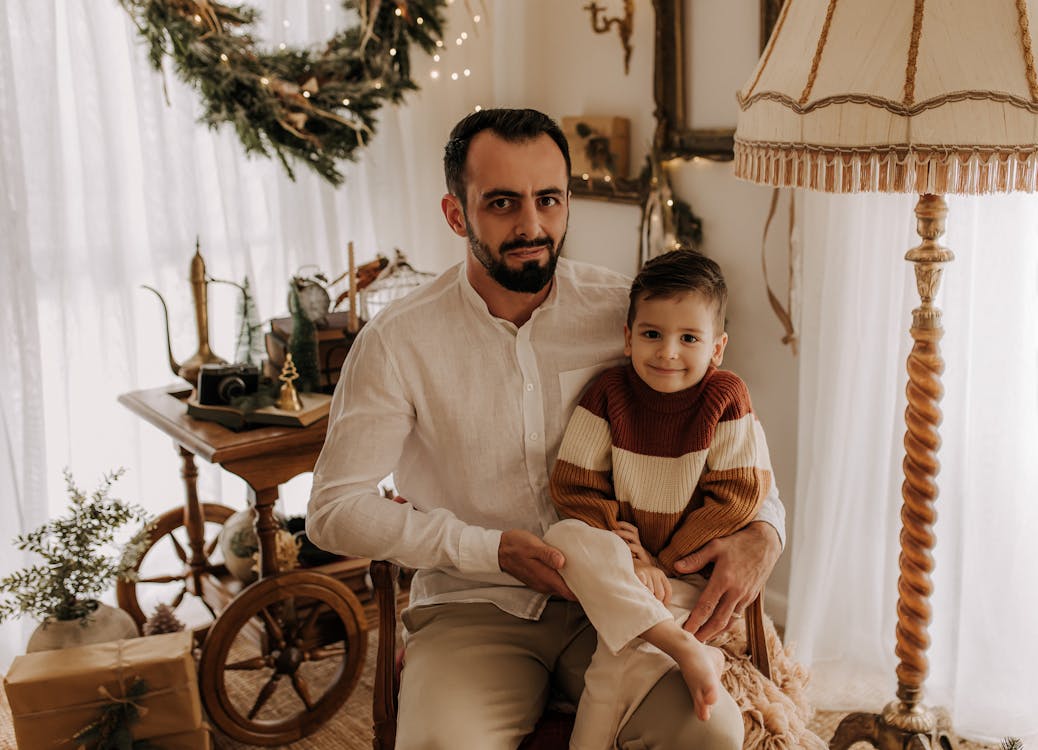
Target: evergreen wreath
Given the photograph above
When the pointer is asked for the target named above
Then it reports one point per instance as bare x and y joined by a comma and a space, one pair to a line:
317, 107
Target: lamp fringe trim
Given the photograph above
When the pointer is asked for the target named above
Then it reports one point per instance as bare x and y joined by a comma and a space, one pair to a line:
889, 169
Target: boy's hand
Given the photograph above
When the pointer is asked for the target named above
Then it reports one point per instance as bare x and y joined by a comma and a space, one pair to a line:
629, 533
655, 580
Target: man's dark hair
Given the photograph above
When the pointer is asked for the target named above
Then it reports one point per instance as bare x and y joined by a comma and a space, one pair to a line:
512, 125
676, 273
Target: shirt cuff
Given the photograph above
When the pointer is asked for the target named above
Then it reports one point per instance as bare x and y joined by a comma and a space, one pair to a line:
477, 550
776, 518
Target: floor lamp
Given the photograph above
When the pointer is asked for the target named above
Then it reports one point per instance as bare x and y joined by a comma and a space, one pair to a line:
929, 97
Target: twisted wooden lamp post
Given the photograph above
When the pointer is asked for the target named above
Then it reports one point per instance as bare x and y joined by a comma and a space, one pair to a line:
949, 104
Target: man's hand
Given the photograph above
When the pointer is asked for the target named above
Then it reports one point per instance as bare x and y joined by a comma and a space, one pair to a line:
742, 563
526, 557
654, 579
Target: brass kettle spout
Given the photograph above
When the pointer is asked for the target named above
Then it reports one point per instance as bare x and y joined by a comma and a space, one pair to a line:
188, 369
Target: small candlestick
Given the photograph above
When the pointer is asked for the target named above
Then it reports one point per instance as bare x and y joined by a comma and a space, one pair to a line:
352, 325
288, 397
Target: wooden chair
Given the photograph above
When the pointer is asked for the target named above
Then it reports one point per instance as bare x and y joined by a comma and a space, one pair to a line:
552, 731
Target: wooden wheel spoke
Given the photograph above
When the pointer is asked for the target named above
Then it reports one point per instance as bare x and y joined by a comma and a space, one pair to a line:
178, 548
163, 579
273, 626
311, 619
302, 689
264, 694
179, 598
328, 652
211, 547
207, 606
256, 662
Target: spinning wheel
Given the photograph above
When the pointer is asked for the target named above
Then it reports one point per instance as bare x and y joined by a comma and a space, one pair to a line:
282, 657
169, 547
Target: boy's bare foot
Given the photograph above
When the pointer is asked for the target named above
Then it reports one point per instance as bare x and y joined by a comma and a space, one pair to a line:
700, 665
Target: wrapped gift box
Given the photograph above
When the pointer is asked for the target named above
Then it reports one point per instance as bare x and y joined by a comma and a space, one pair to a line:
196, 739
54, 694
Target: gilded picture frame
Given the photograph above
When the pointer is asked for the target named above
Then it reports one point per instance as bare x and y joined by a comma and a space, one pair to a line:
674, 138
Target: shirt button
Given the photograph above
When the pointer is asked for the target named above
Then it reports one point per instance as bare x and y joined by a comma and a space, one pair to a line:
529, 386
533, 436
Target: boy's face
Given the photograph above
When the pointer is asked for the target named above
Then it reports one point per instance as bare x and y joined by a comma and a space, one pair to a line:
673, 340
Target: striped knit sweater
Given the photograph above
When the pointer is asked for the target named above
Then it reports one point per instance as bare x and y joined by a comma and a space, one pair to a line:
683, 467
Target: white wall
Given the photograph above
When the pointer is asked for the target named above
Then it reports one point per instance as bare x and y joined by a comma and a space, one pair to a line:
546, 56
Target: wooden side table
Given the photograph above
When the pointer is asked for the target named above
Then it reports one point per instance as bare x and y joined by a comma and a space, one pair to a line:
288, 618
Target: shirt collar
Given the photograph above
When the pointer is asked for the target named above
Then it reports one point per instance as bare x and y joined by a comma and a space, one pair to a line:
479, 304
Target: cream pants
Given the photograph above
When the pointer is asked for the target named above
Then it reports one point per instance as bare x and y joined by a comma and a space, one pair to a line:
477, 678
624, 668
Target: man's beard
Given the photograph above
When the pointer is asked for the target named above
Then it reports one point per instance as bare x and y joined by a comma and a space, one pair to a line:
531, 277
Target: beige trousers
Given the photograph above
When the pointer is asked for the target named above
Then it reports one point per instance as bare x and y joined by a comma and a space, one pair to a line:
624, 668
476, 677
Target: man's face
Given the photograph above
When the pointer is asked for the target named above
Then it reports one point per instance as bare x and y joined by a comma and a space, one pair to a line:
516, 209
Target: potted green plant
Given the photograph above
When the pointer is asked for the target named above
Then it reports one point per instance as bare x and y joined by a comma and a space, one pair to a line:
81, 560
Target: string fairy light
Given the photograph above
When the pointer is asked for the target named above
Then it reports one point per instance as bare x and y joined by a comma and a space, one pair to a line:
436, 73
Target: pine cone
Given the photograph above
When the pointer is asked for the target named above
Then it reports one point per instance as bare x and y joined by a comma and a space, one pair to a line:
162, 621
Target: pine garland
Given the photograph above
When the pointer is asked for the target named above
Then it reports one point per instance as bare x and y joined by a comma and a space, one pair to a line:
316, 107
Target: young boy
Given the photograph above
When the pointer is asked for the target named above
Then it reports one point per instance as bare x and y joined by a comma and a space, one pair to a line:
664, 454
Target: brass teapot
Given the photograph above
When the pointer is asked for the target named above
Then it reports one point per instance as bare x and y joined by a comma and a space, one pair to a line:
188, 369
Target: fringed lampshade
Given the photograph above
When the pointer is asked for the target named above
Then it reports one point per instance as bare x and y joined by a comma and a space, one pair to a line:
894, 96
930, 97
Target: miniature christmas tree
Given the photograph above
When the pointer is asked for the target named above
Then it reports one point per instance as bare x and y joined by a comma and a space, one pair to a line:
162, 620
249, 346
303, 346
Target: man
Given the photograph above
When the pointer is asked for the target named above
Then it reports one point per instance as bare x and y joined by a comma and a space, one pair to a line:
462, 391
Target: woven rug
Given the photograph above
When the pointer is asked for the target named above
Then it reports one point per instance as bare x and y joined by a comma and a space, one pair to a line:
350, 729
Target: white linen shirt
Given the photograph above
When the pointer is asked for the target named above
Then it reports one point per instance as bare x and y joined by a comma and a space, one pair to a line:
467, 412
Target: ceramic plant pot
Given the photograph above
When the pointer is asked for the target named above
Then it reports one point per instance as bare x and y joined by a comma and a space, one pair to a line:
105, 624
240, 545
238, 542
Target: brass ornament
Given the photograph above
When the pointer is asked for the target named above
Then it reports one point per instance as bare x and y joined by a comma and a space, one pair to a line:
288, 397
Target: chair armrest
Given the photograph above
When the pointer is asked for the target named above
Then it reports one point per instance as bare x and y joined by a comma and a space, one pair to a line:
384, 576
755, 636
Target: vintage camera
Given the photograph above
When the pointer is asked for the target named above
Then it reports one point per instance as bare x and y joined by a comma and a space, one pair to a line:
219, 384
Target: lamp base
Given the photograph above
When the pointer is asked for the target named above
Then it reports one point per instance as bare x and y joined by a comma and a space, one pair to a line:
899, 727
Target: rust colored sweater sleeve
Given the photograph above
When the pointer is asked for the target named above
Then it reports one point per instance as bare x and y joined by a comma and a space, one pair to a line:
581, 483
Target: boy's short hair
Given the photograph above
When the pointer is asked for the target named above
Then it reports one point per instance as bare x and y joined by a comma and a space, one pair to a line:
512, 125
676, 273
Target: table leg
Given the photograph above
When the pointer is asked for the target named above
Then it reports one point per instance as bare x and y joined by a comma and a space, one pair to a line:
266, 528
194, 524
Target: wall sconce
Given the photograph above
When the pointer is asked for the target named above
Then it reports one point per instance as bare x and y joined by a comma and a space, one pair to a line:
601, 24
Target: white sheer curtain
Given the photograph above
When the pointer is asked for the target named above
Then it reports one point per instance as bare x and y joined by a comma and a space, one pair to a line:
105, 187
858, 292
